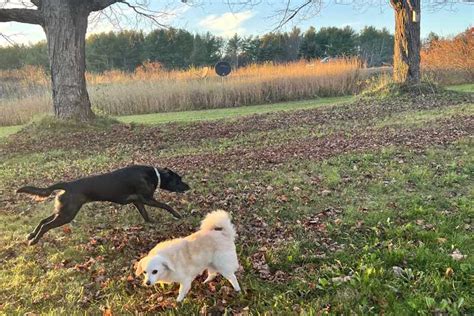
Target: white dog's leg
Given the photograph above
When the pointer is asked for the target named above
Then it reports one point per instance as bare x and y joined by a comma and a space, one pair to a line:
233, 280
211, 274
183, 290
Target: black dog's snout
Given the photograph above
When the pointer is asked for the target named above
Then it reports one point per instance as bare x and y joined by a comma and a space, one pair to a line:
148, 282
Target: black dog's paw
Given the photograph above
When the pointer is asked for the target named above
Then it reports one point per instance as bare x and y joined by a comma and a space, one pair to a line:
32, 242
30, 236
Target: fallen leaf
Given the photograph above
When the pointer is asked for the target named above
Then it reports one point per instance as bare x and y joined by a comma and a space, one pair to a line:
325, 192
212, 286
397, 271
342, 279
457, 255
107, 311
449, 272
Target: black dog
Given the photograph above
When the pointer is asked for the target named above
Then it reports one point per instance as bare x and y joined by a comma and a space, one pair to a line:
134, 184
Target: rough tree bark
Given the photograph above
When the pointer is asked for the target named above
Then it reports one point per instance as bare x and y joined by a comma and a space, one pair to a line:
65, 25
407, 45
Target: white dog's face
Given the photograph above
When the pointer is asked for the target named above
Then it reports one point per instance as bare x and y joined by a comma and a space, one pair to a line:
155, 268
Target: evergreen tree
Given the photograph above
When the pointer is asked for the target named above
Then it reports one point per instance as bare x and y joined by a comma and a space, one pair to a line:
310, 48
250, 50
173, 48
375, 46
234, 49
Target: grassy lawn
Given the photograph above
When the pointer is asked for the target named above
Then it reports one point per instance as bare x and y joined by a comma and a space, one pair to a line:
362, 209
8, 130
213, 114
469, 87
228, 113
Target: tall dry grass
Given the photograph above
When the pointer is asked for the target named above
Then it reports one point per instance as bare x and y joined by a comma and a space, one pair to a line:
24, 93
451, 60
152, 89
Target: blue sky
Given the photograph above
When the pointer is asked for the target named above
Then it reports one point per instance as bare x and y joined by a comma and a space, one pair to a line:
222, 19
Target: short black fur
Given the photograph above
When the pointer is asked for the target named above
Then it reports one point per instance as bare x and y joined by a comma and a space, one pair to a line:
131, 185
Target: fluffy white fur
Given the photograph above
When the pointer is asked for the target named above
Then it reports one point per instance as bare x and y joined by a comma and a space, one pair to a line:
180, 260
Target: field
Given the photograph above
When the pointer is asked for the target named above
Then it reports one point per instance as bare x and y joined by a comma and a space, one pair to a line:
450, 60
356, 207
25, 93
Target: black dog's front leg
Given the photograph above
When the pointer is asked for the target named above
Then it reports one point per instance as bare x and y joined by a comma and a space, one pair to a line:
141, 208
155, 203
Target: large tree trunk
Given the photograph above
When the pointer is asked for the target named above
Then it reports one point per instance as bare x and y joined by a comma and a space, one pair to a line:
65, 25
406, 58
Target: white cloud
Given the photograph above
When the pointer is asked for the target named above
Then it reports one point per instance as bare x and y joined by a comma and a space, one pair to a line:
227, 24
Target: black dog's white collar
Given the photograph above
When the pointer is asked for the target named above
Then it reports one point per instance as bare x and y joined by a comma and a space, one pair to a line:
158, 176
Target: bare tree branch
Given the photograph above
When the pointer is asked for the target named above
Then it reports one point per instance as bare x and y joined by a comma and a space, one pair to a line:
21, 15
37, 3
147, 13
290, 13
26, 4
7, 39
97, 5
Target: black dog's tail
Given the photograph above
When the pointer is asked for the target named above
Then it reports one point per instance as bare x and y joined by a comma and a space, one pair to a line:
44, 192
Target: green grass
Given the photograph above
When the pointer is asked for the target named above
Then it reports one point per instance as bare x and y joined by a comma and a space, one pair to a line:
8, 130
469, 87
382, 207
214, 114
228, 113
382, 225
423, 117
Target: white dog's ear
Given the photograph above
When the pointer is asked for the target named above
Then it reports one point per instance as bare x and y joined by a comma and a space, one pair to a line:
168, 266
139, 267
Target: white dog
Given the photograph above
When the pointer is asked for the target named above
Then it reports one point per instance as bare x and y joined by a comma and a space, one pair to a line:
182, 259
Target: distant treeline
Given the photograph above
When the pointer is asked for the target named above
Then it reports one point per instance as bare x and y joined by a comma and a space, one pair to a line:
177, 48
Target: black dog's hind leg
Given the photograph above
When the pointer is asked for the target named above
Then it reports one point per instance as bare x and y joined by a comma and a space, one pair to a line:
141, 208
58, 220
152, 202
67, 207
36, 230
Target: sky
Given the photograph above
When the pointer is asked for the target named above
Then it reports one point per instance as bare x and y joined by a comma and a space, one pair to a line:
224, 19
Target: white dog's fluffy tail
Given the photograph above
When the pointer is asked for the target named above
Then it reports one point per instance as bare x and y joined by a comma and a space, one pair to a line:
219, 221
